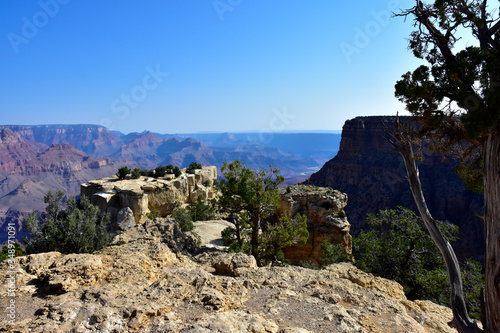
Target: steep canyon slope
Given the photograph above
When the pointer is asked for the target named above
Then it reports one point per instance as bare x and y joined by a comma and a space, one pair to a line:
374, 178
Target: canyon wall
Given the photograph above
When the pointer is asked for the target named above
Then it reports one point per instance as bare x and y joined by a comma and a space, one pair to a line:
374, 178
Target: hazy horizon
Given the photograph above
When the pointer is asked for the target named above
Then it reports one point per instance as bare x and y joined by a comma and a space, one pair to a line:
217, 66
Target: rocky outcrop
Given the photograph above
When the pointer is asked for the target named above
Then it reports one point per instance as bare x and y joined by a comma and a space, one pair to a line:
147, 194
326, 220
146, 281
374, 178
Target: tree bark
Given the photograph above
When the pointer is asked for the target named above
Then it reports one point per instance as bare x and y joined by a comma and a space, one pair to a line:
491, 165
461, 319
254, 241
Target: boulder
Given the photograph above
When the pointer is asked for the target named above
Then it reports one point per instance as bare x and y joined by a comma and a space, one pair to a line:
125, 219
232, 263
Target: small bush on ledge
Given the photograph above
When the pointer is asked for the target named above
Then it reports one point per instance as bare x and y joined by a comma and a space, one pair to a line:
192, 167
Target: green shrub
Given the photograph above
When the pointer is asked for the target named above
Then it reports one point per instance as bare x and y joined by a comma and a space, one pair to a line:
152, 215
123, 172
200, 211
136, 173
333, 253
287, 231
15, 251
80, 228
228, 236
400, 248
192, 167
174, 170
160, 171
183, 217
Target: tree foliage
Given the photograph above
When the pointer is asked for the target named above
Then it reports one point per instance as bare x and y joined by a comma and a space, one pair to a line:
11, 251
333, 253
200, 210
456, 98
457, 95
183, 217
249, 198
193, 166
286, 232
196, 211
398, 247
161, 171
123, 172
80, 228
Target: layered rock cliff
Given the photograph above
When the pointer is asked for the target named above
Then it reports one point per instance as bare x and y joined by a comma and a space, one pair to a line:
91, 139
374, 178
148, 194
150, 279
14, 150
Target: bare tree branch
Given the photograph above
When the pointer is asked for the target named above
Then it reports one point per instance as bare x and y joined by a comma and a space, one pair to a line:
402, 144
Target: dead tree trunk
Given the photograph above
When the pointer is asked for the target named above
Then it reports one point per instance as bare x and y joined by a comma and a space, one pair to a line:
402, 144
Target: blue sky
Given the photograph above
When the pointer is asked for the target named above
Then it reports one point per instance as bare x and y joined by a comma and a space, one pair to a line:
180, 66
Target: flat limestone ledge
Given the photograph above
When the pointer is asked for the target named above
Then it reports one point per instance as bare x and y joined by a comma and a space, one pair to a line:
210, 232
147, 194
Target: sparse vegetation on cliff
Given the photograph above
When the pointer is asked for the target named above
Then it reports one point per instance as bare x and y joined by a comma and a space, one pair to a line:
399, 248
192, 167
123, 172
80, 228
159, 171
250, 200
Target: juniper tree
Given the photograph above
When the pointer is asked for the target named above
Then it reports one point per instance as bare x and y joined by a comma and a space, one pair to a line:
456, 97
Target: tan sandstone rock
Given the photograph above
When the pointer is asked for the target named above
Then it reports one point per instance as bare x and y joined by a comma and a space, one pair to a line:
326, 220
147, 281
148, 194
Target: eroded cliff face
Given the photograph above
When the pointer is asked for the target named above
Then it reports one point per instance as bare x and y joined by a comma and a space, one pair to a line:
374, 178
151, 279
326, 220
92, 139
148, 194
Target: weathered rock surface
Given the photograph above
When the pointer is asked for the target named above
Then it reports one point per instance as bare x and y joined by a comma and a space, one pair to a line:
209, 232
148, 194
146, 281
326, 220
374, 178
